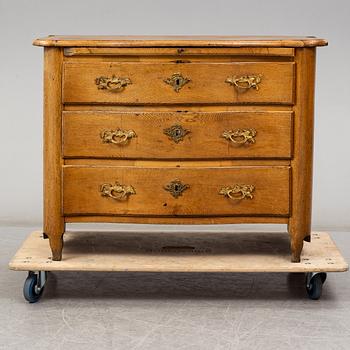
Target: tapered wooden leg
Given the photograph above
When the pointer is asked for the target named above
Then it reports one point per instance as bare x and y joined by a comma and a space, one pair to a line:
54, 228
56, 245
299, 231
296, 246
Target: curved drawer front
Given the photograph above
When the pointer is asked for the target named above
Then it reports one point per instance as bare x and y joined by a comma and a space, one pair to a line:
165, 83
133, 191
177, 135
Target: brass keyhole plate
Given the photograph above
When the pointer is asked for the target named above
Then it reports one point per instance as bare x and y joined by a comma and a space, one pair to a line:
176, 133
177, 81
176, 188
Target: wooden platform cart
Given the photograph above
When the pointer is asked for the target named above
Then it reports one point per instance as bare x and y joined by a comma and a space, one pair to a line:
177, 252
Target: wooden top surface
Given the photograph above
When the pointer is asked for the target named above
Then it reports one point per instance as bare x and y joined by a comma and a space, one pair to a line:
179, 252
179, 41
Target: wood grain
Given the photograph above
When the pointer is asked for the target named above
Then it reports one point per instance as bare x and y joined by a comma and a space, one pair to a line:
200, 107
181, 41
82, 130
176, 163
53, 219
279, 164
210, 52
300, 220
81, 191
179, 220
207, 83
190, 252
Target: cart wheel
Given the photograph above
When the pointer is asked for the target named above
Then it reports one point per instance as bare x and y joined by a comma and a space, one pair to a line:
314, 284
34, 286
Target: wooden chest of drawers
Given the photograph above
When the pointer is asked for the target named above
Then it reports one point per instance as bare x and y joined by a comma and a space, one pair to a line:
180, 130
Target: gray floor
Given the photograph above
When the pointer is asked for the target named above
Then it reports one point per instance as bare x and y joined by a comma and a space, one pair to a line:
172, 311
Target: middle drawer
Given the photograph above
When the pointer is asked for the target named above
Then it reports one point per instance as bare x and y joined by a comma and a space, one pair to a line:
177, 135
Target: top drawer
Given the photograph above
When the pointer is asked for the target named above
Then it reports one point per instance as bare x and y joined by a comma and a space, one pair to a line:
172, 83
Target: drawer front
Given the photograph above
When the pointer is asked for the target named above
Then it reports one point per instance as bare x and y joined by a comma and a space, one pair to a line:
166, 83
177, 135
133, 191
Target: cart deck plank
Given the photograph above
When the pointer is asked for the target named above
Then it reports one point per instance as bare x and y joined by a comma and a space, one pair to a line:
179, 252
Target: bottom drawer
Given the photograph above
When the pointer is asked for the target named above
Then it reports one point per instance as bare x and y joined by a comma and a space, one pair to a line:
139, 191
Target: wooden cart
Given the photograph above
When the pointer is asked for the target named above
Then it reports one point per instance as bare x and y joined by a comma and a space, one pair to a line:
177, 252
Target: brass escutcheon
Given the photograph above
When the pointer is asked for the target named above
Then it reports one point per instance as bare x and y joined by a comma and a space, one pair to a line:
176, 133
176, 187
177, 81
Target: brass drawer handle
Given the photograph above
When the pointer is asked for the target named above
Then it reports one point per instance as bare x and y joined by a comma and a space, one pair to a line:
112, 84
118, 137
177, 81
245, 81
117, 191
238, 192
240, 136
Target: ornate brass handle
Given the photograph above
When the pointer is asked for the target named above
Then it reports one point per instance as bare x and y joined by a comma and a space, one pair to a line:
117, 191
118, 137
177, 81
113, 84
237, 192
240, 136
245, 81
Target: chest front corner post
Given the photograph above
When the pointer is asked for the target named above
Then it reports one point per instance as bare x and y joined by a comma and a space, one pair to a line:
299, 225
54, 225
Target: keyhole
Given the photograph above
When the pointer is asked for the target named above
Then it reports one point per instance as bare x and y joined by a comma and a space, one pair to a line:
176, 188
177, 82
177, 132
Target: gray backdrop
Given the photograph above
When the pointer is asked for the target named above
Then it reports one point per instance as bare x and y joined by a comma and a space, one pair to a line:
21, 80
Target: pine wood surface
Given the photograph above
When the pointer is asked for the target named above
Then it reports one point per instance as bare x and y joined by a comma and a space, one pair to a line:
82, 130
207, 83
53, 219
81, 193
198, 107
179, 252
179, 220
157, 52
186, 41
300, 220
176, 163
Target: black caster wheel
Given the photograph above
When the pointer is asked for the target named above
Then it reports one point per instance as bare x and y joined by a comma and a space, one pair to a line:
314, 284
34, 286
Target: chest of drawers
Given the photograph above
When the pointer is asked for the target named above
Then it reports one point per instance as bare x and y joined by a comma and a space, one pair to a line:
178, 130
